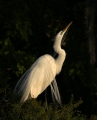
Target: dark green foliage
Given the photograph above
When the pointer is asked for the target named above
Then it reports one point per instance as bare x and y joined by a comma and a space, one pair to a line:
33, 110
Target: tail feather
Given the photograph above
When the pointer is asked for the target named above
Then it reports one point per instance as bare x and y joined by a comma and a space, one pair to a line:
55, 92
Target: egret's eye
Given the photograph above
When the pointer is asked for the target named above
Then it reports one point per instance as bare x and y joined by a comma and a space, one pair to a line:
61, 32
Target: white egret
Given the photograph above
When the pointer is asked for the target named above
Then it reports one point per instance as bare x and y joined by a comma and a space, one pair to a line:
41, 74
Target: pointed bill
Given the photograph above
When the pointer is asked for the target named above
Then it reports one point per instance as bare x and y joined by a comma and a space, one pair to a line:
65, 29
64, 33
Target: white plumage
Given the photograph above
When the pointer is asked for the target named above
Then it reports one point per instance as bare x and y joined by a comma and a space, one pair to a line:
41, 74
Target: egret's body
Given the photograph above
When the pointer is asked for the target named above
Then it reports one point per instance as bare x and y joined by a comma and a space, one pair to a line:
42, 73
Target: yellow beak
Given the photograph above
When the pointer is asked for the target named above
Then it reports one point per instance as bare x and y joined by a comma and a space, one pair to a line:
65, 29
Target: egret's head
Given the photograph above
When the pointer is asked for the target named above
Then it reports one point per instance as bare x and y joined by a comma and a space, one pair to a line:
63, 33
59, 39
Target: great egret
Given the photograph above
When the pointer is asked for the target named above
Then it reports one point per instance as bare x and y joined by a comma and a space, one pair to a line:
41, 74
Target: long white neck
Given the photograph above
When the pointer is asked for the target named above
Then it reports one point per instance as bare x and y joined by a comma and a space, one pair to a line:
61, 54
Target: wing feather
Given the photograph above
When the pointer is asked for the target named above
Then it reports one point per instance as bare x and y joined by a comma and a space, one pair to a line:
36, 79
